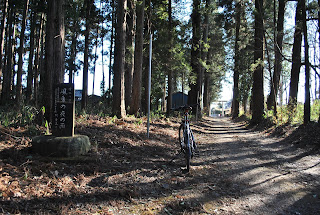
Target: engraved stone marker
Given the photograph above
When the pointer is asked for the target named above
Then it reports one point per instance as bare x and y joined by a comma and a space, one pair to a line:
63, 110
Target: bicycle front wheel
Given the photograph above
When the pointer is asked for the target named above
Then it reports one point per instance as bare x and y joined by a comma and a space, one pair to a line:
181, 134
188, 155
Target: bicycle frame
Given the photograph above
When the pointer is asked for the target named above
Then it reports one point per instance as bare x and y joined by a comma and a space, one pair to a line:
187, 138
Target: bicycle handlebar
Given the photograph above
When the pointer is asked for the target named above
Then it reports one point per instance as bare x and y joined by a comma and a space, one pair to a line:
185, 107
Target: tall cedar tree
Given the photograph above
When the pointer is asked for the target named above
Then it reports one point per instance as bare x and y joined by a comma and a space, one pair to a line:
37, 61
204, 56
138, 58
31, 54
195, 53
54, 52
272, 99
84, 101
257, 88
113, 24
118, 107
21, 52
236, 97
306, 116
296, 58
169, 65
131, 19
8, 70
3, 23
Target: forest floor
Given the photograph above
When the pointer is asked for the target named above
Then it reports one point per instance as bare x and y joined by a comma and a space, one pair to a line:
237, 171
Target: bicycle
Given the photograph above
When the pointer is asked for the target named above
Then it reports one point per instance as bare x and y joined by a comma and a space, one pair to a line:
186, 138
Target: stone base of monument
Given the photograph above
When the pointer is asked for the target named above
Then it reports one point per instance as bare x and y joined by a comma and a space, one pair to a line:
61, 146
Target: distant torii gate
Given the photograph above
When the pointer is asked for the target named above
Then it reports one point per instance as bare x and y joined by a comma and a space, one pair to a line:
221, 101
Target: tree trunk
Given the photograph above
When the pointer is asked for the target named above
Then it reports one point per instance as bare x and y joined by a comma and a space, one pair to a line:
54, 52
37, 60
58, 43
193, 94
131, 20
73, 51
30, 64
2, 35
306, 118
118, 108
169, 67
272, 99
113, 23
8, 73
204, 56
95, 60
138, 59
235, 100
47, 81
296, 59
257, 88
164, 92
206, 93
21, 52
84, 100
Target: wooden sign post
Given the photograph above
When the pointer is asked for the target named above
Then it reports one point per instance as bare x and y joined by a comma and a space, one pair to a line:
63, 110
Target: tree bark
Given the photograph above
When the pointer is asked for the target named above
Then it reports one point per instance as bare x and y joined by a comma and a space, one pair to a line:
37, 60
204, 55
8, 73
235, 100
272, 99
30, 64
49, 62
131, 20
169, 67
2, 36
95, 60
54, 61
307, 108
138, 59
296, 59
21, 52
73, 51
118, 108
193, 94
257, 88
113, 23
84, 99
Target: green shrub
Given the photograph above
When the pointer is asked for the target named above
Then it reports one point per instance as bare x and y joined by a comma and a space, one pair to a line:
25, 116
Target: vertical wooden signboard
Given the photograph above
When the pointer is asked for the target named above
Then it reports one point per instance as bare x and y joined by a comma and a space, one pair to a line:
63, 110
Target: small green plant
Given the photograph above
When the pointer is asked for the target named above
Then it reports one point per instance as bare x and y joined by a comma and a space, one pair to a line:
139, 121
46, 125
113, 119
26, 175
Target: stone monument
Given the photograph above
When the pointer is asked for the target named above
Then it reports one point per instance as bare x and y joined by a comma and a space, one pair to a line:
62, 142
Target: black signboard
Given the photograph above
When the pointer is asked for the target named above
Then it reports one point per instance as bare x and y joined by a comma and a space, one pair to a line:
63, 110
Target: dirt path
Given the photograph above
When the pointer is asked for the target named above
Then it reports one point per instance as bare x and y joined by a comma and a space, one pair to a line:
256, 174
237, 171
